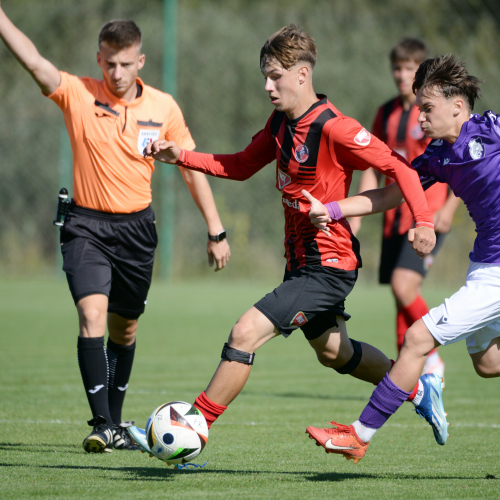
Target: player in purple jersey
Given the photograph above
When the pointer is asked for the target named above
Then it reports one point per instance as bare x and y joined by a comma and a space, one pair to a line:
465, 154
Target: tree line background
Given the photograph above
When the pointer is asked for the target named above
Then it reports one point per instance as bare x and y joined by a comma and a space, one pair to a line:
220, 90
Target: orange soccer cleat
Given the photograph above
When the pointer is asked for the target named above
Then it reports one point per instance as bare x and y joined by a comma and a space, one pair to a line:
342, 440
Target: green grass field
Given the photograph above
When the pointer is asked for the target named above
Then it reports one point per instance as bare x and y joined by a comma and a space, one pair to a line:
259, 448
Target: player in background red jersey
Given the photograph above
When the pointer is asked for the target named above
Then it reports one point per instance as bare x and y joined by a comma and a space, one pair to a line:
318, 148
396, 124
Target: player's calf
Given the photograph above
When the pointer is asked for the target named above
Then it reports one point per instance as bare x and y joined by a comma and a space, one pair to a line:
487, 362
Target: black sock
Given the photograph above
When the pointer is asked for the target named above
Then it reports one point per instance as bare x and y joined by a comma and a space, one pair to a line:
120, 358
94, 369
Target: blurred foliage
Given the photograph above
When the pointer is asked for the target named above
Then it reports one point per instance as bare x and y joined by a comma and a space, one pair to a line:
220, 90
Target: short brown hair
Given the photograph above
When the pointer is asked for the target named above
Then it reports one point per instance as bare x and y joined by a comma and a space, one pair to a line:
449, 76
409, 49
288, 46
120, 34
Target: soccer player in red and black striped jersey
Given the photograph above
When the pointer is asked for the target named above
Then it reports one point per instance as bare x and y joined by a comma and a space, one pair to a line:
316, 148
396, 124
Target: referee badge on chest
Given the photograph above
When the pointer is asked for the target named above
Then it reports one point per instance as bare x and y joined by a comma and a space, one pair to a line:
145, 137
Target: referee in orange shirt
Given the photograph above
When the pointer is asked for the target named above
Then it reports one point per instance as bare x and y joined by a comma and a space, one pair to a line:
109, 238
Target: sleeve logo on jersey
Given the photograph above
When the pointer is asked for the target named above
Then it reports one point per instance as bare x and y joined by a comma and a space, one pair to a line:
363, 137
476, 148
301, 153
145, 137
283, 180
299, 319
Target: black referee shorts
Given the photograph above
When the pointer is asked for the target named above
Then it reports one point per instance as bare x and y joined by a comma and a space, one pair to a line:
397, 252
110, 254
309, 298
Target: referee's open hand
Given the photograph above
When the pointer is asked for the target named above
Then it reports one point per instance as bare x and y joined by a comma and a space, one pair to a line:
164, 151
318, 213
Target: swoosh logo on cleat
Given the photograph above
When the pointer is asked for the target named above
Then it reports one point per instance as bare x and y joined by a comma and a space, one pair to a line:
97, 388
331, 446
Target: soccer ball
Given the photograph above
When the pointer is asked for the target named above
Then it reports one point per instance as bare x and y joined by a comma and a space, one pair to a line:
176, 432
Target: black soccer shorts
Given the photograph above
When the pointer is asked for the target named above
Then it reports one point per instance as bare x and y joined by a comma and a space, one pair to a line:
309, 298
397, 252
110, 254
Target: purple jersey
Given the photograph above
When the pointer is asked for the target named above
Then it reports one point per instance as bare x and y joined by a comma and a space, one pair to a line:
471, 167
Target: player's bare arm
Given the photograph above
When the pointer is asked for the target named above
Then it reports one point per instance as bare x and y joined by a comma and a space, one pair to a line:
45, 74
423, 238
197, 183
164, 151
369, 180
366, 203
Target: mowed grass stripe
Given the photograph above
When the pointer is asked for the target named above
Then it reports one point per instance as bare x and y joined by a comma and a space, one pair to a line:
258, 449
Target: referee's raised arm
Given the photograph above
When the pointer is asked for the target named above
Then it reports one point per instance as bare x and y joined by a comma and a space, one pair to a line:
45, 74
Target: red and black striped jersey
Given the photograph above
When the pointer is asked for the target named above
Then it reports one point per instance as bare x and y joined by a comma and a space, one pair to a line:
400, 130
317, 151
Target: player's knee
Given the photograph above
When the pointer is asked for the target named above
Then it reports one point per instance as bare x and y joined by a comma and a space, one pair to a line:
122, 330
91, 316
487, 371
340, 363
418, 339
243, 335
329, 358
123, 337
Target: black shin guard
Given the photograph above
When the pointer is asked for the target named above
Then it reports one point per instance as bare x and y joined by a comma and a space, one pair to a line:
120, 359
94, 369
230, 354
353, 363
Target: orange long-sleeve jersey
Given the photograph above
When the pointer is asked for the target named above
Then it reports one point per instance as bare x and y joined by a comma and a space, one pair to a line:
108, 135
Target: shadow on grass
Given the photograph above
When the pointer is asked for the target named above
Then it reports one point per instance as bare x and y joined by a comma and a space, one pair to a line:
164, 474
299, 395
40, 447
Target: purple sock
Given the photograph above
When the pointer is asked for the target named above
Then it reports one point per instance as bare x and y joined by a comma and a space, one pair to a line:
384, 402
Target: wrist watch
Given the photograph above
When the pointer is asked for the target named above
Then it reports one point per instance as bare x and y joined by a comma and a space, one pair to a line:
218, 237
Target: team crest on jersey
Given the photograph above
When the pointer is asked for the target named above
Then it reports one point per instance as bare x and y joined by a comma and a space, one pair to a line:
363, 137
476, 148
145, 137
301, 153
299, 319
283, 180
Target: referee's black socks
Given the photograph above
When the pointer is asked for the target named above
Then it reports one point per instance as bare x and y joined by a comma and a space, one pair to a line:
120, 359
94, 369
